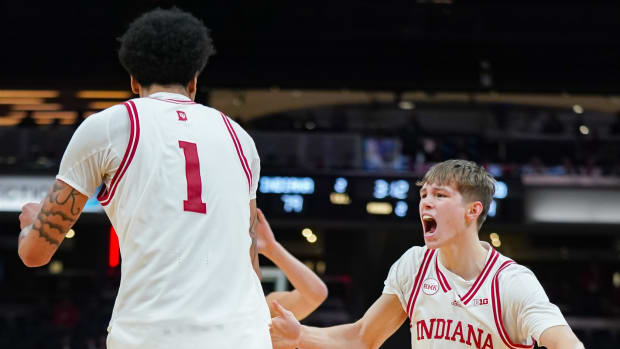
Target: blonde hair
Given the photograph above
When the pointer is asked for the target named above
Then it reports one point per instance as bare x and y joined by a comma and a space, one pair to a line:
470, 179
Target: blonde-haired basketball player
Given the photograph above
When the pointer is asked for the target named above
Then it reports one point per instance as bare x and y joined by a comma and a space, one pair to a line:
180, 184
456, 291
309, 290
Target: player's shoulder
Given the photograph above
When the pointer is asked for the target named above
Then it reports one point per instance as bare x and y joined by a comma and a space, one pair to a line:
416, 252
515, 276
100, 120
414, 256
115, 111
241, 132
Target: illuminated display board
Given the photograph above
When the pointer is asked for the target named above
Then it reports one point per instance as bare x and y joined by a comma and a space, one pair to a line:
354, 197
15, 191
310, 196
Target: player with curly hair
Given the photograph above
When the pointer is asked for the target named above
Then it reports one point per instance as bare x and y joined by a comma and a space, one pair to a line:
179, 186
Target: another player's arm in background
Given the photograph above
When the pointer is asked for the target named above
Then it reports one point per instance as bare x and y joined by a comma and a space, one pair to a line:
383, 318
50, 222
254, 245
560, 337
309, 292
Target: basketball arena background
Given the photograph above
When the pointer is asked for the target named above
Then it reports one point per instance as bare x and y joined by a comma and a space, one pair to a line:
349, 103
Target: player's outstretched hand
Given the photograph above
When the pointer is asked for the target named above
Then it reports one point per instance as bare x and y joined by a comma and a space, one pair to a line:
285, 329
266, 240
29, 214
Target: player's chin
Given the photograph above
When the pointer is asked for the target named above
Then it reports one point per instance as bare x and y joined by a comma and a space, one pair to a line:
431, 241
432, 245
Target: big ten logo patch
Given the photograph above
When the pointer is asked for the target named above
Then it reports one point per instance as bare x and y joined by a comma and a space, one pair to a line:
481, 301
430, 286
182, 116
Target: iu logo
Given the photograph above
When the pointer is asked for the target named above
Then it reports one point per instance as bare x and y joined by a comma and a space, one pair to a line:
182, 116
430, 286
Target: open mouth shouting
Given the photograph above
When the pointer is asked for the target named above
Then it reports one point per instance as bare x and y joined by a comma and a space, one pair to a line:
429, 224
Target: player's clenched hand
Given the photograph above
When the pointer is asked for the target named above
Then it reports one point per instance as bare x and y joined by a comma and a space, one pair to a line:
266, 240
29, 214
285, 329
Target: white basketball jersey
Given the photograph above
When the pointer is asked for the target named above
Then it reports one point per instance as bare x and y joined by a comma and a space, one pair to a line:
179, 203
444, 315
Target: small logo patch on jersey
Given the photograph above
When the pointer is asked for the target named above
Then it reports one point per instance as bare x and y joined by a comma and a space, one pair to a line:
182, 116
430, 286
481, 301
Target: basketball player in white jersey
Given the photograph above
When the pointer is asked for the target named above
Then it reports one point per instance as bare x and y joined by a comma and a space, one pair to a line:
179, 187
456, 291
309, 290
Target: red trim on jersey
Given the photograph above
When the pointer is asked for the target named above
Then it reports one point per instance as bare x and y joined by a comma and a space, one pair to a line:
480, 280
240, 147
497, 311
105, 195
417, 278
175, 101
242, 159
418, 282
180, 100
445, 286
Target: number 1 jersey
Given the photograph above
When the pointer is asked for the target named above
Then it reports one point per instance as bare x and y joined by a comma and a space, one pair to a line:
177, 181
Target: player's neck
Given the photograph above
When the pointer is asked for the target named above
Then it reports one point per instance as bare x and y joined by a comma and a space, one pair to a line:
155, 88
464, 258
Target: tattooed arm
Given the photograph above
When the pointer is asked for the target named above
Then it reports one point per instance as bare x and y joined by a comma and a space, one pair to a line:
253, 236
50, 222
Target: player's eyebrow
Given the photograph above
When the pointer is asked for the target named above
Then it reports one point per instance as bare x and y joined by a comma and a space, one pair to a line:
434, 189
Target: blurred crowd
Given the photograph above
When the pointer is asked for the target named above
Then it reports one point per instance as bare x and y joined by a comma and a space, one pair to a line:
515, 145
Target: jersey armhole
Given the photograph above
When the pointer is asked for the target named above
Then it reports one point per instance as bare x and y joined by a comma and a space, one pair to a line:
106, 194
426, 261
239, 149
497, 311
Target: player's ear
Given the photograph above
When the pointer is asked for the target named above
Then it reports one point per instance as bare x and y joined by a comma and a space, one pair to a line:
191, 86
473, 211
135, 85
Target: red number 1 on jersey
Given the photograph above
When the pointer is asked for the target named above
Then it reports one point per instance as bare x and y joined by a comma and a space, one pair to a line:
194, 183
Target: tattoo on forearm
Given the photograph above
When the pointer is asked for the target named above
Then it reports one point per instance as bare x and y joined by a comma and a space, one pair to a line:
70, 196
48, 238
253, 236
58, 213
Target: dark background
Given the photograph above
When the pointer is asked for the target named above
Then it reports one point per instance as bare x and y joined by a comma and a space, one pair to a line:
541, 46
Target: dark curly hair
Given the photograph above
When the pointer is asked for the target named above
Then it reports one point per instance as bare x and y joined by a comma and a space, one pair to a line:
165, 47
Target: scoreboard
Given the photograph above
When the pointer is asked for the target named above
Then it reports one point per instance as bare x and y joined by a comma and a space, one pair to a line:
338, 197
353, 197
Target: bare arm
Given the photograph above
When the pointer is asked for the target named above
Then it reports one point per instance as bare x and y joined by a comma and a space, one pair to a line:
50, 222
254, 246
309, 292
560, 337
383, 318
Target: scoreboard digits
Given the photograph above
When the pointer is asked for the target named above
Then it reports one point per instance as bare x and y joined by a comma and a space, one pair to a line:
350, 197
